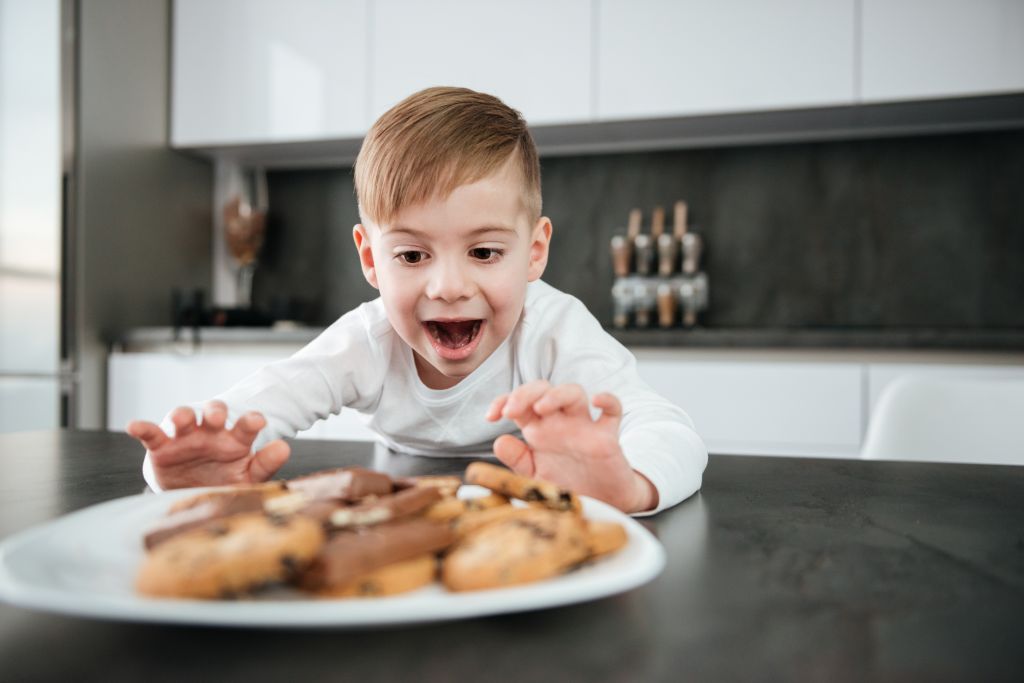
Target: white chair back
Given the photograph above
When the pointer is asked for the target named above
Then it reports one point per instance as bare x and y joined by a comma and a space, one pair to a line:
949, 419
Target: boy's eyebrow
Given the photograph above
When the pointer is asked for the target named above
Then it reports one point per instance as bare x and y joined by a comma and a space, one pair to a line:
475, 231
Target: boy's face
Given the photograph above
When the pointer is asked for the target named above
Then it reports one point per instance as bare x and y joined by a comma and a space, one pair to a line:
452, 272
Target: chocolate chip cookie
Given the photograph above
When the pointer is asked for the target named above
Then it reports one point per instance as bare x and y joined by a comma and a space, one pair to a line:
230, 557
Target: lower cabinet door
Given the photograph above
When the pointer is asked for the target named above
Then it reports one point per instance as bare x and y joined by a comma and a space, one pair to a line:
147, 386
759, 408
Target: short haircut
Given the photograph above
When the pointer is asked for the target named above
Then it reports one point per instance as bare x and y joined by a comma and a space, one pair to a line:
436, 140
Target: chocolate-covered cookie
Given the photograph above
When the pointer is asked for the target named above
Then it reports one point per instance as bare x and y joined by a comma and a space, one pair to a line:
355, 552
267, 489
348, 484
202, 512
386, 508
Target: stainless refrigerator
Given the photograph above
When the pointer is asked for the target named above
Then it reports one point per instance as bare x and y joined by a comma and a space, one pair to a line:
36, 381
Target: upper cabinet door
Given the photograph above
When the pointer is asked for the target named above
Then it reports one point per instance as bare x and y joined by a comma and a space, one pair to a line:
533, 54
941, 48
268, 71
679, 57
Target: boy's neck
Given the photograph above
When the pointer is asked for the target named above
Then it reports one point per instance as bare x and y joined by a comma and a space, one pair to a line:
431, 377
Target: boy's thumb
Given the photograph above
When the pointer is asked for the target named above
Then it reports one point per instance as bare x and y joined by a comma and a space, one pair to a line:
268, 460
515, 454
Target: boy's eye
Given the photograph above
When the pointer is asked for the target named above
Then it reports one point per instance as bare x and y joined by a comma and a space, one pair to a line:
485, 253
410, 257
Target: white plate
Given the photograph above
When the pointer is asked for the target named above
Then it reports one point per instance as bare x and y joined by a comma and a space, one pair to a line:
85, 564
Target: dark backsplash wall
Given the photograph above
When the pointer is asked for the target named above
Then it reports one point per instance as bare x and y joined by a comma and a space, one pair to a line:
922, 232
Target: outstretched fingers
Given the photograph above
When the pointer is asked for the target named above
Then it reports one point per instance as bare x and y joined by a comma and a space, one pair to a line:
515, 454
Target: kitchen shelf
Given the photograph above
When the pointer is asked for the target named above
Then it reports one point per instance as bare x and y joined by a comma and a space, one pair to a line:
955, 115
824, 338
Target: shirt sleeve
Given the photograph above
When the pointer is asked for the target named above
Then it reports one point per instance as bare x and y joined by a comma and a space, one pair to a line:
342, 368
657, 437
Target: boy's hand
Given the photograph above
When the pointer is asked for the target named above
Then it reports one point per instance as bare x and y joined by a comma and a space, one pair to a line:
566, 446
207, 454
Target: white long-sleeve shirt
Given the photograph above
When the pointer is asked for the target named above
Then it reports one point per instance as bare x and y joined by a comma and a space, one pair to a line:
360, 363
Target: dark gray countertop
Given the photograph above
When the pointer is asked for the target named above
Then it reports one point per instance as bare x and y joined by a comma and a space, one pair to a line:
779, 569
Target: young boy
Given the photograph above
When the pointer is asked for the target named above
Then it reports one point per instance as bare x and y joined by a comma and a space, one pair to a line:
465, 347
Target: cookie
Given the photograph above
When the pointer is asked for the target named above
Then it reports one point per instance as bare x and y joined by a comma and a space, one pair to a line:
267, 489
445, 510
492, 500
605, 537
399, 577
202, 512
529, 546
472, 520
513, 485
347, 484
230, 556
298, 503
447, 484
386, 508
452, 508
355, 552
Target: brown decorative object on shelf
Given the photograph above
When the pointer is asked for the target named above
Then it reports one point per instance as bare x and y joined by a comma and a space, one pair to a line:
244, 231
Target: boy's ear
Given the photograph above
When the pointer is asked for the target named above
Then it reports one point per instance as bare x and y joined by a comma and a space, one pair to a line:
362, 240
540, 240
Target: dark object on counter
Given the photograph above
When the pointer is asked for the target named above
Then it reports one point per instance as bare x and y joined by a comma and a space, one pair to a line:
190, 312
239, 317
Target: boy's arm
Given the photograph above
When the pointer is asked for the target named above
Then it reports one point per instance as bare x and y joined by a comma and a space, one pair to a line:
603, 457
655, 437
658, 439
340, 368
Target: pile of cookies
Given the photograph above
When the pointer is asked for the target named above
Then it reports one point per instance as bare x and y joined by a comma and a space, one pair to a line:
354, 532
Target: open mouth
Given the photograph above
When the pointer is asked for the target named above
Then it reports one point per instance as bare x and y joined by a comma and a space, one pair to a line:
454, 339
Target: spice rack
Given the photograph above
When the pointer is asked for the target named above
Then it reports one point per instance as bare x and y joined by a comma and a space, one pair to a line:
658, 278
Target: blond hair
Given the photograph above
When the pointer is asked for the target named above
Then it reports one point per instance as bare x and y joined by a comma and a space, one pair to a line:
436, 140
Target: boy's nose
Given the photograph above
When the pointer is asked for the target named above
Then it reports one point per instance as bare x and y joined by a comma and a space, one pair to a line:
449, 282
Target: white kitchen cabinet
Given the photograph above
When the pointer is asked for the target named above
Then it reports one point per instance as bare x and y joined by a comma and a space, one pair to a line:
147, 386
533, 54
750, 403
268, 71
681, 57
762, 408
264, 71
915, 49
